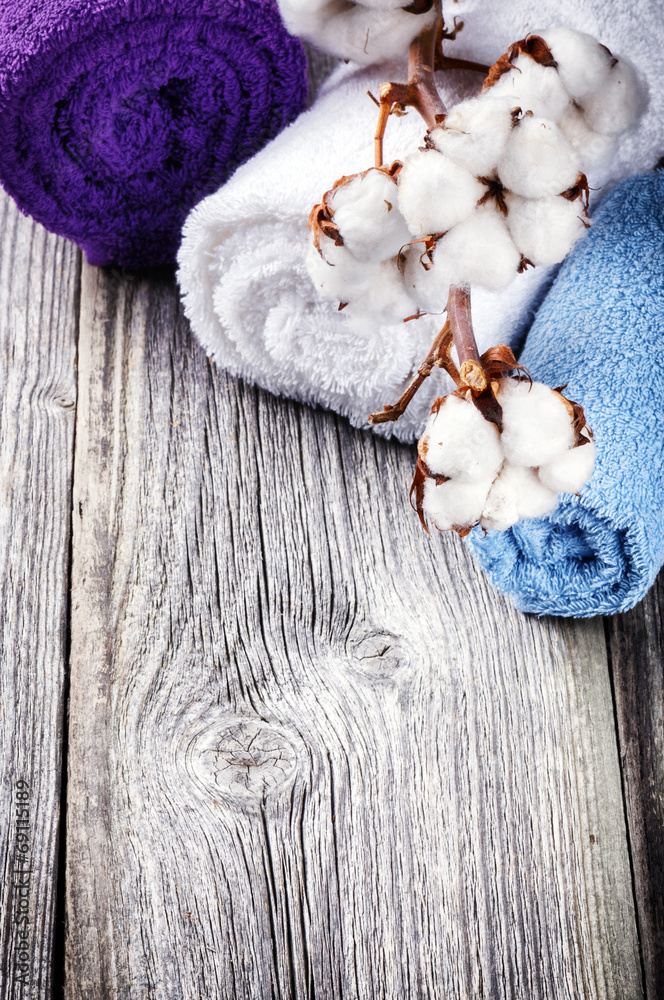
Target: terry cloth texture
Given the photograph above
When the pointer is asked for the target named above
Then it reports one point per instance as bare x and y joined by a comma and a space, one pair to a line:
116, 117
601, 330
242, 273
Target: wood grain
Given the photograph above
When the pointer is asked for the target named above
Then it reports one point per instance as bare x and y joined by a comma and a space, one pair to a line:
636, 644
38, 310
312, 753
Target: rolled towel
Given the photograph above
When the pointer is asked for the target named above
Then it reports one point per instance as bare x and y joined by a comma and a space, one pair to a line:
117, 117
601, 330
242, 272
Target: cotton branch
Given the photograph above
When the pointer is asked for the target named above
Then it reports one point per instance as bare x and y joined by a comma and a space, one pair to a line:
420, 92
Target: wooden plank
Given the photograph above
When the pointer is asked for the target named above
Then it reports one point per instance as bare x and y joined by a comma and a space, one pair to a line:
313, 754
636, 644
38, 311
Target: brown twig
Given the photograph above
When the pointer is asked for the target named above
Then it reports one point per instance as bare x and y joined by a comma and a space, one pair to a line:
420, 91
449, 62
438, 357
471, 368
458, 312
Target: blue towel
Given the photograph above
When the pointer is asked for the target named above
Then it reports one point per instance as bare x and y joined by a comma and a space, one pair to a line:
601, 330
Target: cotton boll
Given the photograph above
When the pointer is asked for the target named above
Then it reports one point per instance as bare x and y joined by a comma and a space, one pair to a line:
538, 160
475, 133
354, 31
428, 286
534, 88
545, 229
500, 510
454, 504
383, 299
365, 210
571, 470
537, 424
435, 193
619, 103
594, 150
583, 62
460, 444
517, 493
337, 274
479, 251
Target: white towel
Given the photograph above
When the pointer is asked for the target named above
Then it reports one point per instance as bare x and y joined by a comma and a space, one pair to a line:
245, 287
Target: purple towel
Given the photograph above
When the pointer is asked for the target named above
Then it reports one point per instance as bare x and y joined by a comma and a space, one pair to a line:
117, 116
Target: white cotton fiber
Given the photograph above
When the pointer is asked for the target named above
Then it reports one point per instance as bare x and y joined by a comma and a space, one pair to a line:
545, 229
383, 300
537, 424
619, 103
426, 280
366, 212
435, 193
583, 63
538, 160
475, 132
594, 150
365, 34
454, 504
337, 274
534, 88
479, 251
571, 470
460, 444
517, 493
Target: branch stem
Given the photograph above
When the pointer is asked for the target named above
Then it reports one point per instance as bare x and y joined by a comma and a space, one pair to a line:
420, 91
438, 357
421, 60
458, 312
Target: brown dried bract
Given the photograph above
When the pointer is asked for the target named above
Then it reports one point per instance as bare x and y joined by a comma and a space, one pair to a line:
532, 45
320, 223
494, 190
614, 61
580, 190
499, 361
582, 432
496, 363
422, 473
417, 488
524, 264
426, 257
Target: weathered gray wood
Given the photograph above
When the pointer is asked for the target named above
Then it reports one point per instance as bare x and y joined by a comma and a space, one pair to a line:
312, 753
38, 311
636, 644
319, 66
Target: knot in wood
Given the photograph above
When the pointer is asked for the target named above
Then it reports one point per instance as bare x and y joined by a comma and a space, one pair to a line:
64, 401
245, 759
379, 654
